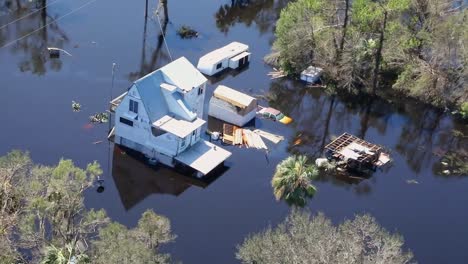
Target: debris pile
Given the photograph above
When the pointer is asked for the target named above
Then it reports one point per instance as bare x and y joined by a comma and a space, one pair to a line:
76, 106
99, 118
237, 136
275, 74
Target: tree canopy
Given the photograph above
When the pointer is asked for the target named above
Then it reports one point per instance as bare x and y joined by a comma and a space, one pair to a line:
303, 238
292, 180
415, 47
43, 218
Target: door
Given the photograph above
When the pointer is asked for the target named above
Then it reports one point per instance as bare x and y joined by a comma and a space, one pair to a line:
243, 61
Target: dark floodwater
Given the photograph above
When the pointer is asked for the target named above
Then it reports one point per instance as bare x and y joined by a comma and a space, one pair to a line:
36, 95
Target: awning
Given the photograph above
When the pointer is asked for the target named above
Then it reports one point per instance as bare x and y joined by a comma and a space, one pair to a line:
180, 128
203, 156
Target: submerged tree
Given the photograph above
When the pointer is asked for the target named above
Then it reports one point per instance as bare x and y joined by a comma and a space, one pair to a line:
117, 244
302, 238
413, 46
43, 218
292, 180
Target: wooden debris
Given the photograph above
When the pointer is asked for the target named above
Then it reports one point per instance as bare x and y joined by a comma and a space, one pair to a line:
272, 137
276, 74
253, 140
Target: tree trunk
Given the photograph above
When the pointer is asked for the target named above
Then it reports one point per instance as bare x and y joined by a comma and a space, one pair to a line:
365, 120
344, 31
378, 56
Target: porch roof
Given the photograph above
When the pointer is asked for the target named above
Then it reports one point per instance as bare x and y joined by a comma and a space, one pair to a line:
178, 127
203, 156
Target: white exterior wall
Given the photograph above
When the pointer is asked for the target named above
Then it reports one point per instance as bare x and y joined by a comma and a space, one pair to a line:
195, 101
230, 117
309, 79
139, 132
139, 136
224, 63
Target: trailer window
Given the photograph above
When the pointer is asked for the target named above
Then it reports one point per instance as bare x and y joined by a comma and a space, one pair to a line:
219, 65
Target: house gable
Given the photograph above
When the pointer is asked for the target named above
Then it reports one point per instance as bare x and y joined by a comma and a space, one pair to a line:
151, 95
183, 74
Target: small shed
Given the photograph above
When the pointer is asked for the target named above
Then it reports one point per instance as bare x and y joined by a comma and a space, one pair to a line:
233, 56
232, 106
311, 74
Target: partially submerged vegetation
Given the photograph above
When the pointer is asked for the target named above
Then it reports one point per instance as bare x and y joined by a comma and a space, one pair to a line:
302, 238
416, 47
187, 32
43, 218
292, 180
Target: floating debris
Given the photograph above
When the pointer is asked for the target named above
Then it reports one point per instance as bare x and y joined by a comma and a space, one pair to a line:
277, 74
99, 118
187, 32
270, 136
412, 182
97, 142
55, 52
356, 153
76, 106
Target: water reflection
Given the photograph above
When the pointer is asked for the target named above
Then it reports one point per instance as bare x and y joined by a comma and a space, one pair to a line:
158, 54
424, 135
135, 180
263, 13
35, 57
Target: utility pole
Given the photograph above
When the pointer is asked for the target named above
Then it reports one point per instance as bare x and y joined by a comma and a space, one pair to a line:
110, 94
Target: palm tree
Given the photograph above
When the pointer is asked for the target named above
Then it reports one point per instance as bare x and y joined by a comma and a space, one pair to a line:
292, 180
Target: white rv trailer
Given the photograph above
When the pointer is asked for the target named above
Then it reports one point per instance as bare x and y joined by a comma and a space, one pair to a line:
232, 56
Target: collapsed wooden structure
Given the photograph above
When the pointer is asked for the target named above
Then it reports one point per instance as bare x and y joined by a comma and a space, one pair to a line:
356, 153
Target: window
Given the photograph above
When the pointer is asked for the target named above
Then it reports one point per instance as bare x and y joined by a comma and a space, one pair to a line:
200, 90
219, 65
183, 143
126, 121
133, 107
194, 132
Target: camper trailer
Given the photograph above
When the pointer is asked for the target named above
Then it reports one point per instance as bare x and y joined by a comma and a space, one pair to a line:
232, 56
232, 106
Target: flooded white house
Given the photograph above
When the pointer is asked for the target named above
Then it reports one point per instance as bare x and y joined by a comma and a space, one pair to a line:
161, 116
235, 55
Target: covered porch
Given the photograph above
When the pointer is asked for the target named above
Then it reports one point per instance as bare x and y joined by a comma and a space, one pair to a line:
203, 156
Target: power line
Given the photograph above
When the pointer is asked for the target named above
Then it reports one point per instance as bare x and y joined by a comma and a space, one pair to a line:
25, 16
46, 25
162, 32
